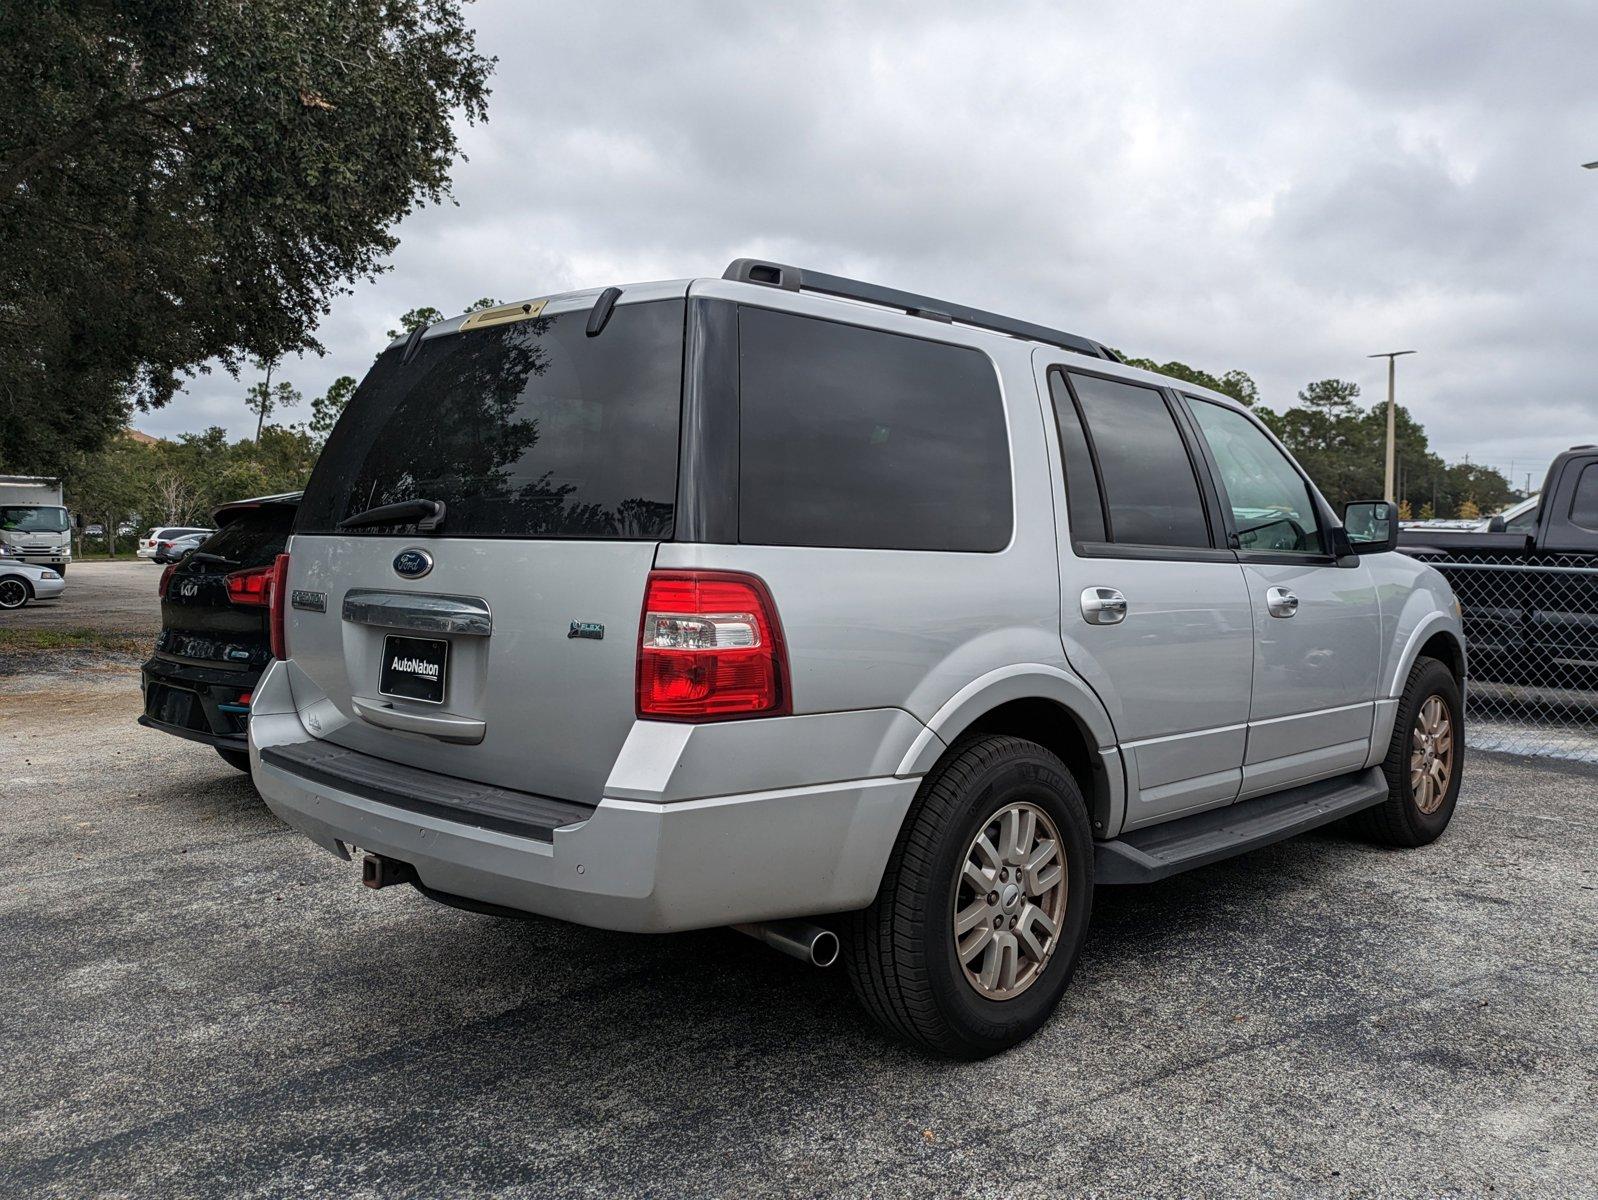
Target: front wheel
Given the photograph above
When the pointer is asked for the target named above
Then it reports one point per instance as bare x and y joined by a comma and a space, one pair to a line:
60, 569
983, 906
1425, 761
13, 593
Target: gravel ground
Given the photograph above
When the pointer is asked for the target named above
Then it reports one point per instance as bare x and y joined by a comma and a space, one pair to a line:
199, 1002
110, 597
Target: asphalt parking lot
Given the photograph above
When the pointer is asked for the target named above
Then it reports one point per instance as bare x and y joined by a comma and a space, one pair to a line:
199, 1002
109, 597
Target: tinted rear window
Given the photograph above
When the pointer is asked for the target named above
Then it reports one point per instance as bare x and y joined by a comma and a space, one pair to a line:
857, 438
1147, 476
526, 430
254, 538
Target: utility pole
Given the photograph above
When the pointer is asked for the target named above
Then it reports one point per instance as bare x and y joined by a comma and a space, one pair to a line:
1391, 356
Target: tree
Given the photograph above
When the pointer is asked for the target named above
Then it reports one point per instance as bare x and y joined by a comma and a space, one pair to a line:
1236, 384
263, 399
112, 485
327, 408
188, 183
415, 319
1469, 510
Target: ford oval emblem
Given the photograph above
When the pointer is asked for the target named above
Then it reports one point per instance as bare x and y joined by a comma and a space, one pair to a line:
413, 563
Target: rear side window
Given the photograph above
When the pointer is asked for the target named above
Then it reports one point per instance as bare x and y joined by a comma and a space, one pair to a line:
1086, 506
853, 437
1150, 492
253, 538
525, 430
1584, 504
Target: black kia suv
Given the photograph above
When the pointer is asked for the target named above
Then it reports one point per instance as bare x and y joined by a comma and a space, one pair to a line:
215, 635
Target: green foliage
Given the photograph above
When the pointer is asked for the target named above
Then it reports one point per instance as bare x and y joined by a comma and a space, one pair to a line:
327, 408
263, 399
1343, 447
1236, 384
182, 183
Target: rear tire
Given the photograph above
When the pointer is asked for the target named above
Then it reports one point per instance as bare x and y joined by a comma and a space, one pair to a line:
1428, 741
903, 955
238, 759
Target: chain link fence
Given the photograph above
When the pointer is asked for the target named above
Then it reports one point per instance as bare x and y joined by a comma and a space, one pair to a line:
1531, 628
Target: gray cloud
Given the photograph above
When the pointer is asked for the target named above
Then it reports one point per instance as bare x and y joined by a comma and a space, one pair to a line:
1284, 188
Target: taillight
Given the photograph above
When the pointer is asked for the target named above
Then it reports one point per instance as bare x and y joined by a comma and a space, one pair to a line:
278, 598
710, 647
252, 586
166, 578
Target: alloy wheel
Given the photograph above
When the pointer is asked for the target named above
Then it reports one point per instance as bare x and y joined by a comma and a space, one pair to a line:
1431, 757
13, 593
1010, 902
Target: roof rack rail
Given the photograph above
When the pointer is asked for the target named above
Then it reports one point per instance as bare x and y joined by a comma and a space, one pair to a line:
795, 279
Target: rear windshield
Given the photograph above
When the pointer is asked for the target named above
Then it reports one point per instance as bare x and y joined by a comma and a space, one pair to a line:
526, 430
253, 538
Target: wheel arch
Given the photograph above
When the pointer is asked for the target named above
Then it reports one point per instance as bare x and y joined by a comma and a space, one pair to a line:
1044, 705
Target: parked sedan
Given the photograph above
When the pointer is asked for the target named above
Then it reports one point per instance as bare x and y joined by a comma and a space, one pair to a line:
214, 641
173, 551
23, 581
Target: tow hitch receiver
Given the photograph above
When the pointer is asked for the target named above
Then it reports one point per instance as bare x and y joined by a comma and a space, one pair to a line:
380, 872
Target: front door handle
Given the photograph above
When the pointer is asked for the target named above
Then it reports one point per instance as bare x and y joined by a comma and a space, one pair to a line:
1281, 602
1103, 606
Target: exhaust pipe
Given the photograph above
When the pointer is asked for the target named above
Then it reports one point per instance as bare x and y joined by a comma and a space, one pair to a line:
797, 939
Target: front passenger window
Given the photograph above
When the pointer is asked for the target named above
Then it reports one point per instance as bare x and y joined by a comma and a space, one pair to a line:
1271, 504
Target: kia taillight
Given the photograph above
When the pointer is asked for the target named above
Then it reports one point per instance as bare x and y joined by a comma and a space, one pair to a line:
278, 598
710, 648
166, 578
252, 586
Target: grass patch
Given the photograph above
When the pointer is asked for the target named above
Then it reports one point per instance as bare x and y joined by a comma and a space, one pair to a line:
26, 641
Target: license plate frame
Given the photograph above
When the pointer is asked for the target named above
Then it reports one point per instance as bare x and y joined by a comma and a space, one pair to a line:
412, 684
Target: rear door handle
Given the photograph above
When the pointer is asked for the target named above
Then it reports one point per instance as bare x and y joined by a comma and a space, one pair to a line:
1281, 602
1103, 606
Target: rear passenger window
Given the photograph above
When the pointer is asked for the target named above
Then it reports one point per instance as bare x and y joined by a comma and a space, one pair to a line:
857, 438
1149, 488
1584, 504
1085, 505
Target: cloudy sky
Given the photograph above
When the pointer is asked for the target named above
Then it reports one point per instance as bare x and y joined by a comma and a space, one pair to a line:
1279, 187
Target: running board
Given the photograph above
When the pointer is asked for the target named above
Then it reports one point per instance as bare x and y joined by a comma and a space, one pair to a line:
1145, 855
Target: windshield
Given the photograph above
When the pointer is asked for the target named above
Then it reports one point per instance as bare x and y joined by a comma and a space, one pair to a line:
33, 518
525, 430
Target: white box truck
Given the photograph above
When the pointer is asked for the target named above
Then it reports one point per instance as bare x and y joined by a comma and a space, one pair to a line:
33, 521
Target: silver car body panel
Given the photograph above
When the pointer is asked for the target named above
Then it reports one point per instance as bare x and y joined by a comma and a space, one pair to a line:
1197, 699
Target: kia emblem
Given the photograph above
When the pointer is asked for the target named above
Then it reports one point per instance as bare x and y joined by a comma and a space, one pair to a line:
413, 563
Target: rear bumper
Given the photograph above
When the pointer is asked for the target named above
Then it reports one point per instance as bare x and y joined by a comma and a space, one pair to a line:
196, 703
632, 864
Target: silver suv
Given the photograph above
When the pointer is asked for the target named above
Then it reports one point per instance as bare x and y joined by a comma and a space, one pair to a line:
874, 625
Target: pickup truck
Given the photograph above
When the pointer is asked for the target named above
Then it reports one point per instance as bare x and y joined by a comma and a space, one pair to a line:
1528, 582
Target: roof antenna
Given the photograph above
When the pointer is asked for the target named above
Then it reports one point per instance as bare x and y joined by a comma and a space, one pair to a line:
599, 316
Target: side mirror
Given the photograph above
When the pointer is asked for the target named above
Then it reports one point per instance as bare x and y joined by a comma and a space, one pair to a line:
1497, 524
1372, 526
